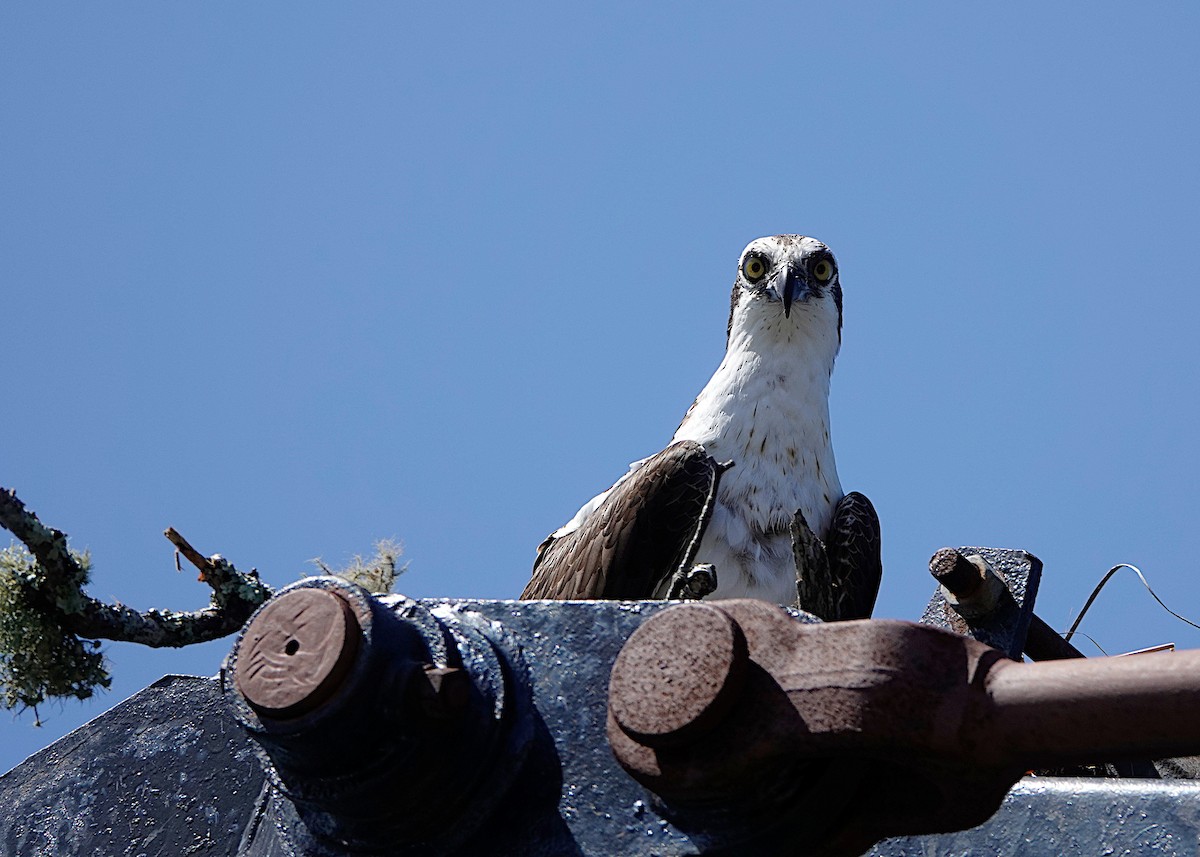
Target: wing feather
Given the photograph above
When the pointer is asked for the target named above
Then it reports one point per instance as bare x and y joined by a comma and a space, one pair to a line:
854, 549
839, 578
645, 529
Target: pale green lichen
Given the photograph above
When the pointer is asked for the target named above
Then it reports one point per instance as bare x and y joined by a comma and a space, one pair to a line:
377, 574
39, 659
230, 586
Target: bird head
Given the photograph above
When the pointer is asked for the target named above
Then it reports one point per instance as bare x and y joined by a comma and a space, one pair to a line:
782, 276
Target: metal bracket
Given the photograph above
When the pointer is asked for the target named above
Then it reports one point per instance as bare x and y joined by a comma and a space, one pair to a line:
1007, 624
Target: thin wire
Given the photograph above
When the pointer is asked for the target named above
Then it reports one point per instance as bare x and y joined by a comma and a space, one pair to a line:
1092, 640
1105, 580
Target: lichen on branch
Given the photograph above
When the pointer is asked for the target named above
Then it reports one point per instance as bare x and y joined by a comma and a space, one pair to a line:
39, 659
45, 639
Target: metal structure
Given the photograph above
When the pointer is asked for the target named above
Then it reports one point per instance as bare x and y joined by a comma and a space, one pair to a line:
346, 724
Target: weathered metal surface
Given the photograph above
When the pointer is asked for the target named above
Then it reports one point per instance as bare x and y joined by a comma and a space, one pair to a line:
1005, 627
166, 772
589, 806
1049, 816
169, 772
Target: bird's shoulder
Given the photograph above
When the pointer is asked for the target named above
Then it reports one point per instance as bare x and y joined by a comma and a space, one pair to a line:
626, 539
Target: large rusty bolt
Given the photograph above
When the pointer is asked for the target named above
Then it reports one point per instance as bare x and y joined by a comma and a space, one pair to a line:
922, 730
296, 652
678, 676
385, 726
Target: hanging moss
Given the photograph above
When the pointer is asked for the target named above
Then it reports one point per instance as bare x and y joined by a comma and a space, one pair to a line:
39, 659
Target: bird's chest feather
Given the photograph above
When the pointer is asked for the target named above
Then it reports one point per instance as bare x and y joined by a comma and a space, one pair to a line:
772, 422
771, 419
748, 537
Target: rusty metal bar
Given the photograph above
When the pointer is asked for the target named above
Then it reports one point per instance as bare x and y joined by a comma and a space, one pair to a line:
1071, 711
1043, 643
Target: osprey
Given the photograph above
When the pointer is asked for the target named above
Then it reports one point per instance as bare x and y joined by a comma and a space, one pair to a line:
748, 485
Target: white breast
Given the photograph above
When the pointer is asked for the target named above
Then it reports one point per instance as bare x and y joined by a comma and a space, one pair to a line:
767, 410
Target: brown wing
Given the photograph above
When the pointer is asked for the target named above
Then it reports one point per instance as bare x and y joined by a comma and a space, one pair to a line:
647, 528
839, 579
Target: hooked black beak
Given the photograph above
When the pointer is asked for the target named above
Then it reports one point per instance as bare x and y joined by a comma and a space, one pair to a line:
789, 289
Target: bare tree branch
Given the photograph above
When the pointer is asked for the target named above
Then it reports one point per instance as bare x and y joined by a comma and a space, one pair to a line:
59, 590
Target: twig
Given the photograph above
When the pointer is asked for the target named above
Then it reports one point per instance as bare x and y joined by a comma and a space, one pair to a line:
235, 595
193, 556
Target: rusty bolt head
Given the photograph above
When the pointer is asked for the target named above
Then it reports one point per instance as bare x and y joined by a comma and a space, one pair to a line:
677, 675
295, 654
955, 572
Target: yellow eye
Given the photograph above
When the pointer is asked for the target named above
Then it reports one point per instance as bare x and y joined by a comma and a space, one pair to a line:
823, 271
754, 268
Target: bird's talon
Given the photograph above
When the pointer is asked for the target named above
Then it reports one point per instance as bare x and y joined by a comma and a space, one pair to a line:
693, 584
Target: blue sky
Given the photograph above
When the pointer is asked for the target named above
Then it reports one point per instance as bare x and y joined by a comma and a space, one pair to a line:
292, 278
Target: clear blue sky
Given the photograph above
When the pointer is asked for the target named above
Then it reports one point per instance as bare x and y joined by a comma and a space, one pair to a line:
291, 278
